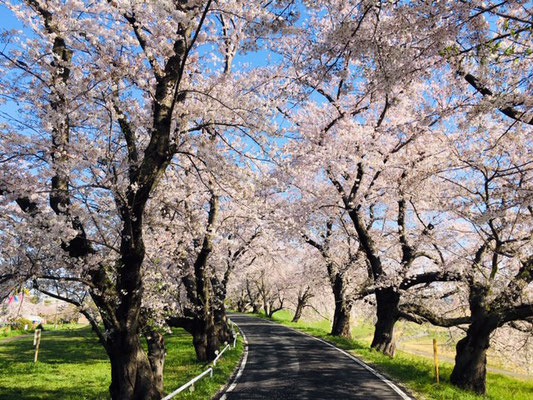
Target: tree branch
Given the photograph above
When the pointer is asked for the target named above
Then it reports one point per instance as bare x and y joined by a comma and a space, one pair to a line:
419, 314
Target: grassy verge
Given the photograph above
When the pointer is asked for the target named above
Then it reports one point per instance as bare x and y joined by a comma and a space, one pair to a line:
73, 365
7, 333
414, 372
181, 366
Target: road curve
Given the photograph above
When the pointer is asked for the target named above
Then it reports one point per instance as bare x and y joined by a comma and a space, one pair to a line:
285, 364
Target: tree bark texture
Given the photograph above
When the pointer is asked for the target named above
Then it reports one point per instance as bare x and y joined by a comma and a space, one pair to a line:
156, 356
470, 367
387, 314
341, 320
132, 377
343, 306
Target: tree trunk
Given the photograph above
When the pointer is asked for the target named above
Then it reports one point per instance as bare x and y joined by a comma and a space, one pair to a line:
272, 311
131, 373
469, 371
303, 298
156, 356
222, 328
343, 308
299, 310
387, 314
341, 320
205, 338
256, 308
266, 308
132, 377
241, 305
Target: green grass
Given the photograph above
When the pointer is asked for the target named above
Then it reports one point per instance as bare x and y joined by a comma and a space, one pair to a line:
63, 327
73, 365
6, 333
181, 366
413, 372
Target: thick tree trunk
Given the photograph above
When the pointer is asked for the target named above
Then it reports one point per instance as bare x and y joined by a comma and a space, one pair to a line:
343, 308
222, 328
156, 356
470, 369
132, 377
341, 320
387, 314
256, 308
205, 339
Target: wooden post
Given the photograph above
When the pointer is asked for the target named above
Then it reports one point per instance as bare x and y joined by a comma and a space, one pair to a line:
55, 318
436, 358
36, 343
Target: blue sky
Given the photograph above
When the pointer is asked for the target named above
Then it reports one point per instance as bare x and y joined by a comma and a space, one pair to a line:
7, 19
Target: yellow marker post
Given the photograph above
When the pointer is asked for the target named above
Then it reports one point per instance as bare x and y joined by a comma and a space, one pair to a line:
36, 343
436, 358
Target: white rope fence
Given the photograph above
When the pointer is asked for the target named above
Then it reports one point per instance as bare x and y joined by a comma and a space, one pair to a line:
209, 370
190, 383
220, 355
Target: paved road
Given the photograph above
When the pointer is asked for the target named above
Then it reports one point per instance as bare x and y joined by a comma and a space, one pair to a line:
284, 364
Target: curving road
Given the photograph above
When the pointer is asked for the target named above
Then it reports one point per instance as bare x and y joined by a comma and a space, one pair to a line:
284, 364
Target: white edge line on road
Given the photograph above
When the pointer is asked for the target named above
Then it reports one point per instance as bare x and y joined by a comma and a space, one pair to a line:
241, 368
402, 394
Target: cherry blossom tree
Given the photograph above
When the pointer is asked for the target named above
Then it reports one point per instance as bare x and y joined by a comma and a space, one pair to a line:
308, 280
371, 90
201, 226
126, 166
491, 201
492, 52
379, 170
344, 263
108, 92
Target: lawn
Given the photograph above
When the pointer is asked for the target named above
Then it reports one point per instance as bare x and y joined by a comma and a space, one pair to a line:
412, 371
7, 332
73, 365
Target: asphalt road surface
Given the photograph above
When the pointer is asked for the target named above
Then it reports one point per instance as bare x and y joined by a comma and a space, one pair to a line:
284, 364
